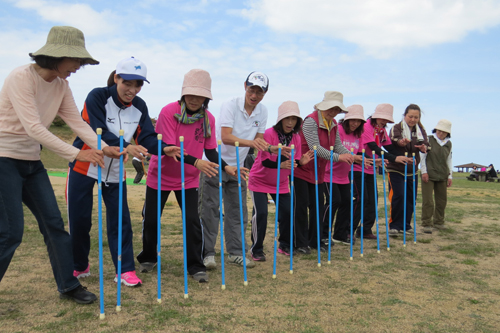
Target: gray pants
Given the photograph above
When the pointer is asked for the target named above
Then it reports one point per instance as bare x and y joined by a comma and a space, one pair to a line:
208, 209
434, 214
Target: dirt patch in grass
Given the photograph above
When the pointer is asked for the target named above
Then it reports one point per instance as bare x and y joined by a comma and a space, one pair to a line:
446, 282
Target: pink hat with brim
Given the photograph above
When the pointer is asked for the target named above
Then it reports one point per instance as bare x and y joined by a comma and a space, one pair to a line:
197, 82
288, 109
384, 111
355, 112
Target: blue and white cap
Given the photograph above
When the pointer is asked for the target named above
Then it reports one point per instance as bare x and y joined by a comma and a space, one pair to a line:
258, 79
132, 69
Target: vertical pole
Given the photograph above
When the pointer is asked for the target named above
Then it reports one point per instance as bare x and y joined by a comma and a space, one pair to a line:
183, 204
404, 209
362, 200
414, 205
385, 204
376, 198
317, 202
120, 224
277, 209
245, 281
352, 202
292, 213
99, 209
221, 218
158, 222
330, 210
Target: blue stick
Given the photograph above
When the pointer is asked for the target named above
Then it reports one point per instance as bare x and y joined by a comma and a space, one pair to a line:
245, 281
120, 222
362, 198
291, 211
330, 210
158, 221
317, 203
221, 218
99, 209
352, 199
376, 198
385, 204
277, 210
183, 190
404, 209
414, 205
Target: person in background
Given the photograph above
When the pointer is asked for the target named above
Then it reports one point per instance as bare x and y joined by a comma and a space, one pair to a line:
407, 136
31, 97
112, 108
319, 129
263, 179
436, 170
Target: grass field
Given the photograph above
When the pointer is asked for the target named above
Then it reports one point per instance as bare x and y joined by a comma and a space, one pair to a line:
446, 282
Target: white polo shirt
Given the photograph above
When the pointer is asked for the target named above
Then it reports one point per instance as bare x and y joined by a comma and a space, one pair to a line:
234, 115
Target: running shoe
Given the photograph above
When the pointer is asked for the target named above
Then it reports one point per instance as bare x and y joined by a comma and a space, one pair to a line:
82, 274
129, 279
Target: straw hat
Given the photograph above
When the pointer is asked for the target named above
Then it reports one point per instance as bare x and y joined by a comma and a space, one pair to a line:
384, 111
197, 82
332, 99
444, 125
64, 41
355, 112
288, 109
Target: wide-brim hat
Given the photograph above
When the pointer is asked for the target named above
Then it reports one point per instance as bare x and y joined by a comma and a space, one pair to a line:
330, 100
197, 82
288, 109
384, 111
68, 42
355, 112
444, 125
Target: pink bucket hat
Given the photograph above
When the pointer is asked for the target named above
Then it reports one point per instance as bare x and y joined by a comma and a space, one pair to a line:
355, 112
288, 109
197, 82
384, 111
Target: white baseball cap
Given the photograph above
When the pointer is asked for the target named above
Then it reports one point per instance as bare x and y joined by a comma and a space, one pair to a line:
132, 69
258, 79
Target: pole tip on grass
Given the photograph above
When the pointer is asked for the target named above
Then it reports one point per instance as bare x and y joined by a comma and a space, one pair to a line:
378, 251
98, 131
160, 136
245, 283
186, 296
414, 242
291, 271
118, 308
329, 262
102, 316
319, 264
274, 276
159, 300
122, 132
388, 249
223, 287
361, 255
404, 245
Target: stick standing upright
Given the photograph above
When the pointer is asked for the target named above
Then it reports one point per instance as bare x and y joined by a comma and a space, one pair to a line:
292, 215
385, 204
376, 199
99, 209
158, 222
245, 281
183, 190
120, 225
277, 210
221, 219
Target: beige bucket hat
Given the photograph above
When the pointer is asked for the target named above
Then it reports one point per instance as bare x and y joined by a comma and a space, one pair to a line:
64, 41
384, 111
288, 109
332, 99
444, 125
355, 112
197, 82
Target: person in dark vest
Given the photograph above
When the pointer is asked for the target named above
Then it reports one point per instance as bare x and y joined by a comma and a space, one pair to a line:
436, 169
318, 129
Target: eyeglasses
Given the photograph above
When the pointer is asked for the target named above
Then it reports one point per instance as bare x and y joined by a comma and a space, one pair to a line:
255, 91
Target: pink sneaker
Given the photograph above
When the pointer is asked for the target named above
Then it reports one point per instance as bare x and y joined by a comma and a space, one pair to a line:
82, 274
129, 279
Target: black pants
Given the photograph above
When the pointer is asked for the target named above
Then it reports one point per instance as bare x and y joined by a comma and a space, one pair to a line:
341, 211
369, 204
305, 198
194, 232
397, 188
259, 220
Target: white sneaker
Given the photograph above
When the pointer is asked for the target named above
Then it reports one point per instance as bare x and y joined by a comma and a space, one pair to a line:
238, 260
209, 262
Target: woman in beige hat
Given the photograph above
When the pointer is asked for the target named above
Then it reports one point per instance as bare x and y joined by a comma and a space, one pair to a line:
31, 97
112, 108
189, 117
319, 129
436, 169
263, 179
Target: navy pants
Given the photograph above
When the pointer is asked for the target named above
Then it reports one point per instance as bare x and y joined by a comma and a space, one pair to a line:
305, 199
27, 182
369, 204
397, 189
341, 211
80, 197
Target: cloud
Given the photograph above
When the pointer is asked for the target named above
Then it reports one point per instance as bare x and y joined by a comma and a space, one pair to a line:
81, 16
379, 27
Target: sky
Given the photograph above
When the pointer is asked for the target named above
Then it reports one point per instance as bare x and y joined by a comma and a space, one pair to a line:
440, 54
